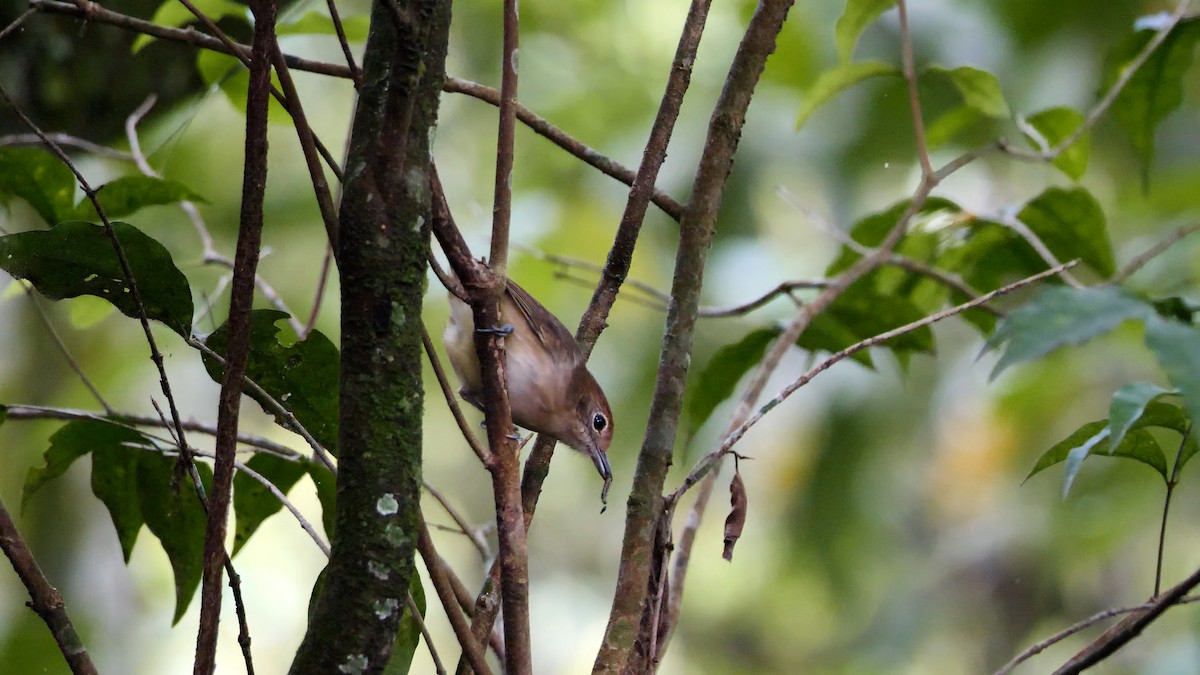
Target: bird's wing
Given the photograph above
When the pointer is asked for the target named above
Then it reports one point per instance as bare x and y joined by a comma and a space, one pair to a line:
554, 336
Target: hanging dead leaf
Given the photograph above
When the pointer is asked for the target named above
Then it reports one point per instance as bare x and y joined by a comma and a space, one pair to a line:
737, 514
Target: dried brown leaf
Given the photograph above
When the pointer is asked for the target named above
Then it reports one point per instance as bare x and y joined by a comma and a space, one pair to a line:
737, 514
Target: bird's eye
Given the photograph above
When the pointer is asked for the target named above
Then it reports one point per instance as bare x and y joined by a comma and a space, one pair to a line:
598, 422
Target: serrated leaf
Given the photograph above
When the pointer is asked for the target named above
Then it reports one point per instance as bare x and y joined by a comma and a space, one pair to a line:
326, 485
1059, 316
1156, 89
115, 483
318, 23
1176, 347
1092, 439
854, 20
836, 80
408, 632
39, 178
1128, 404
1072, 225
77, 258
72, 441
173, 513
129, 194
721, 374
177, 15
980, 90
1055, 126
254, 502
302, 376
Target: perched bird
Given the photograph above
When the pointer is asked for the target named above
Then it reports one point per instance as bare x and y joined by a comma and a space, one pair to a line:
549, 387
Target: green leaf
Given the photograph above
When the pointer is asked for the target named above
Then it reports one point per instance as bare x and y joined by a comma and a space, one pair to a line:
326, 484
1176, 347
1055, 126
1092, 439
408, 632
177, 15
864, 313
980, 90
318, 23
72, 441
1058, 316
129, 194
41, 179
1072, 225
115, 483
950, 124
302, 376
254, 502
854, 20
227, 73
871, 230
173, 513
1156, 89
721, 374
835, 80
1128, 404
77, 258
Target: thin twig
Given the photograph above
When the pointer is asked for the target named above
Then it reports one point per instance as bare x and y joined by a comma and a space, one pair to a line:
304, 524
709, 461
66, 353
66, 141
1038, 648
570, 144
1035, 242
31, 412
1128, 628
1139, 261
1170, 491
95, 13
210, 255
415, 613
277, 408
17, 23
1110, 96
464, 426
910, 79
437, 574
355, 73
45, 600
319, 296
463, 526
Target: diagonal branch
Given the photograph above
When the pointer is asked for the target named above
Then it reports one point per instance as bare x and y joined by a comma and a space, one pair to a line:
44, 598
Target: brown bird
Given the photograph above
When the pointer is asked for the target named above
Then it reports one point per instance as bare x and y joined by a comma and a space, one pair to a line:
549, 387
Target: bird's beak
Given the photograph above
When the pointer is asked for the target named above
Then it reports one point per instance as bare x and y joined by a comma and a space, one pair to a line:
600, 459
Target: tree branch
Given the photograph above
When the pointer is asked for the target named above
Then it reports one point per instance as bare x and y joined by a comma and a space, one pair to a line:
625, 641
44, 598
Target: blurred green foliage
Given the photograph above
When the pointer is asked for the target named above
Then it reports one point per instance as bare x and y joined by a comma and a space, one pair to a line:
890, 530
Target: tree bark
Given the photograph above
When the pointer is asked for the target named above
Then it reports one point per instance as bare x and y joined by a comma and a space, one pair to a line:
383, 242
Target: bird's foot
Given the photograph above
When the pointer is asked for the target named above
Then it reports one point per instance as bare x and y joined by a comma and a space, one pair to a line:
502, 331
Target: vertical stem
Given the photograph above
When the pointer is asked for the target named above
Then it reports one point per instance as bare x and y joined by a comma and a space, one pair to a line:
502, 206
645, 506
254, 181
